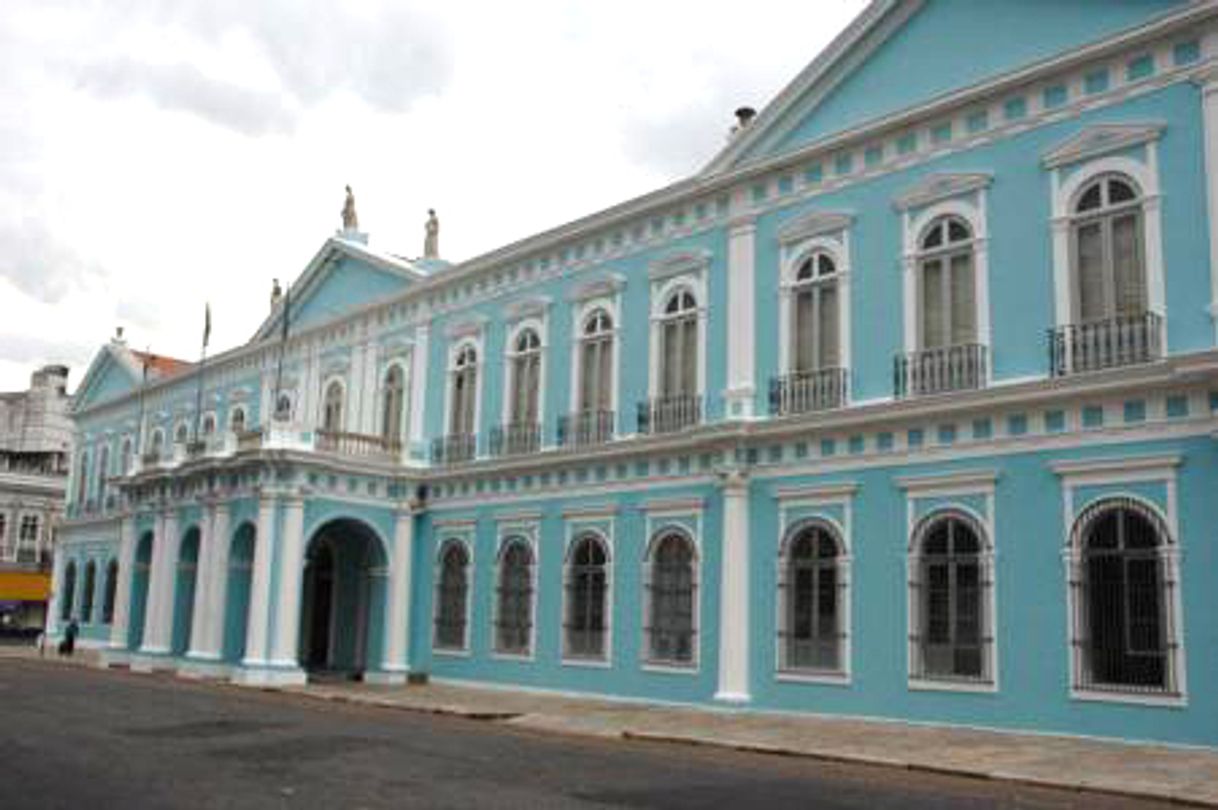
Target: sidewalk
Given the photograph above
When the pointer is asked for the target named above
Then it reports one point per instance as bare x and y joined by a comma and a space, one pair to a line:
1147, 771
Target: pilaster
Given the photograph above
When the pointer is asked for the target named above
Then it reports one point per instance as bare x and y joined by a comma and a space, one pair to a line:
734, 589
122, 592
741, 285
1209, 116
258, 620
397, 618
284, 653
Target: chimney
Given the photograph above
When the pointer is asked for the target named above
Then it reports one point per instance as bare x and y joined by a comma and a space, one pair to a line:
744, 116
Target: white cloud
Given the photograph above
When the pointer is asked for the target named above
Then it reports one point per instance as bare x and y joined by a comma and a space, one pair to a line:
155, 154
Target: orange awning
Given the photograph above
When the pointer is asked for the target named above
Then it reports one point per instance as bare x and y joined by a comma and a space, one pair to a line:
24, 586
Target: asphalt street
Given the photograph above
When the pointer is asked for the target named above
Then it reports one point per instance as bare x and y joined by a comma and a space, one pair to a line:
81, 738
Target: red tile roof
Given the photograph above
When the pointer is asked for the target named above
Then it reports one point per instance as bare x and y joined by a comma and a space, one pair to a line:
161, 366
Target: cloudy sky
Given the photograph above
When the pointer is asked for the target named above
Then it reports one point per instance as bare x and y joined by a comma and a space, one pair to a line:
155, 154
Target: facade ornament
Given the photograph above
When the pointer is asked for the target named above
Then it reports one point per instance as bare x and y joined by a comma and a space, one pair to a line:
276, 293
350, 220
431, 242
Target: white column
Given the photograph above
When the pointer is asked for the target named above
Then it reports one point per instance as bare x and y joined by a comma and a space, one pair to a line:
397, 619
259, 619
158, 621
418, 385
734, 591
741, 286
287, 599
200, 614
53, 608
1209, 117
122, 590
217, 585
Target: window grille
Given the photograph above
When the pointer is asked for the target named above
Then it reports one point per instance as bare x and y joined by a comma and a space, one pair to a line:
452, 597
1122, 581
672, 587
67, 592
27, 544
7, 546
86, 597
585, 628
951, 634
812, 592
110, 592
514, 615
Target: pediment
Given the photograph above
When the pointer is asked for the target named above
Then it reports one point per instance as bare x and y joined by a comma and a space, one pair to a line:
816, 223
597, 286
1101, 139
941, 186
532, 306
675, 264
467, 326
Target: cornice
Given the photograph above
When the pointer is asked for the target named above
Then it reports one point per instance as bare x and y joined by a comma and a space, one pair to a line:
813, 224
1102, 139
941, 186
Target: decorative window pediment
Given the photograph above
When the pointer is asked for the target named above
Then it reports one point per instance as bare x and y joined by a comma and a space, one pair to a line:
940, 186
604, 284
816, 223
468, 326
692, 261
533, 306
1100, 140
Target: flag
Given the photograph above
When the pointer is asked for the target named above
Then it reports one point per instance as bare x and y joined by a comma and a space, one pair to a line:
206, 323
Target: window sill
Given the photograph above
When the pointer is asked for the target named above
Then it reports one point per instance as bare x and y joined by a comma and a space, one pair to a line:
451, 652
815, 678
664, 668
966, 687
1164, 700
518, 658
588, 663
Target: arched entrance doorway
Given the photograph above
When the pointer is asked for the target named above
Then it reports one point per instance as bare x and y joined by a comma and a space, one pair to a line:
343, 600
237, 598
184, 592
139, 591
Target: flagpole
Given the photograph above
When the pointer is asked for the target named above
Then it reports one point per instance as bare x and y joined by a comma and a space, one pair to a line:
202, 367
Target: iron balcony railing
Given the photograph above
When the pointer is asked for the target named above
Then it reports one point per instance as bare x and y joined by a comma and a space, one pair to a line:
936, 371
670, 414
515, 439
357, 444
585, 428
454, 449
806, 391
1122, 341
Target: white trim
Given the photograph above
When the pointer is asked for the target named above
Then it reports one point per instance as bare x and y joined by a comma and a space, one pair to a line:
941, 186
516, 532
1208, 83
539, 323
572, 535
974, 481
690, 534
611, 304
454, 350
467, 542
794, 253
694, 280
1100, 140
1161, 466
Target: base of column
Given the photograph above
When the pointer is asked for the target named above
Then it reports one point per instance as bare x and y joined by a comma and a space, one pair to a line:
734, 698
269, 675
201, 669
114, 657
386, 677
145, 661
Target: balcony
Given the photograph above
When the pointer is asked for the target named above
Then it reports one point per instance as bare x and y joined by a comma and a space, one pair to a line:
1097, 345
515, 439
808, 391
670, 414
939, 371
454, 449
362, 445
585, 428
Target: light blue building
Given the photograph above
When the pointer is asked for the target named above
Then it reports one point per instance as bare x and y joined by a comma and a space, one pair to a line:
903, 407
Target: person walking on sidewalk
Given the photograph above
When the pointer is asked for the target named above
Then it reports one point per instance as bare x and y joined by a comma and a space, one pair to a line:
68, 645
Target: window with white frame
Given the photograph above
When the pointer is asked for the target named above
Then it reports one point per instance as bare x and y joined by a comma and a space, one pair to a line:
125, 457
393, 405
7, 544
283, 407
463, 397
111, 591
947, 311
679, 345
27, 544
157, 443
209, 424
596, 362
672, 593
67, 591
586, 623
82, 479
103, 470
812, 584
526, 378
1108, 256
950, 581
332, 407
1123, 584
86, 596
452, 597
181, 434
815, 314
236, 419
514, 598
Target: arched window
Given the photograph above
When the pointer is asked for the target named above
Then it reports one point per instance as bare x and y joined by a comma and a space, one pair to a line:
946, 285
103, 470
157, 445
452, 597
332, 407
209, 424
526, 378
283, 407
587, 592
671, 587
679, 346
125, 459
815, 315
950, 594
110, 592
1124, 574
67, 591
464, 392
514, 602
596, 363
393, 406
1108, 250
82, 479
86, 596
181, 434
236, 419
811, 583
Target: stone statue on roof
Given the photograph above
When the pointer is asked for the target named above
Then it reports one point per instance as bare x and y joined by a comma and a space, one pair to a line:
431, 243
350, 220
